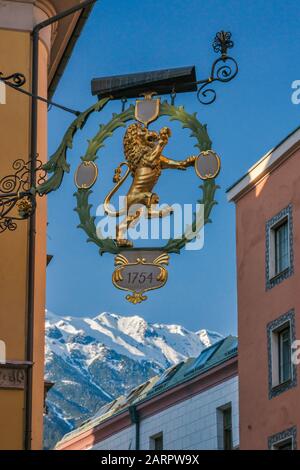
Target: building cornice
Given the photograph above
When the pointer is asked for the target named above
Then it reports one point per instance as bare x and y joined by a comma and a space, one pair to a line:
87, 438
59, 64
45, 5
265, 165
59, 38
24, 15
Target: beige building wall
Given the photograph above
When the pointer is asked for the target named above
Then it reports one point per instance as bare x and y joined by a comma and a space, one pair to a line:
17, 20
15, 121
15, 143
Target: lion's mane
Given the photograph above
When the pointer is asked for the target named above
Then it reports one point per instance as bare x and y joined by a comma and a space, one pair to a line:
136, 148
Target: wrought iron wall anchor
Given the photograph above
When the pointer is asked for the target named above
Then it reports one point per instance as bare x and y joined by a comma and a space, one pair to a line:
172, 81
16, 79
17, 198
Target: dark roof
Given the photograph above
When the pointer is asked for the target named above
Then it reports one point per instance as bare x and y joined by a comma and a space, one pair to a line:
49, 259
132, 85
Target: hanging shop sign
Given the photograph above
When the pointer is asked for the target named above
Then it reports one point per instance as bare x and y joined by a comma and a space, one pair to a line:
141, 270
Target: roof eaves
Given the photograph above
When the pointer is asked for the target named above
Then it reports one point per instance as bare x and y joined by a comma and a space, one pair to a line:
85, 13
245, 175
187, 378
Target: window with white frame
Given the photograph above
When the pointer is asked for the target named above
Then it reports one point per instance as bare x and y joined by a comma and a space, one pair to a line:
157, 442
282, 372
284, 440
281, 354
224, 427
279, 247
286, 444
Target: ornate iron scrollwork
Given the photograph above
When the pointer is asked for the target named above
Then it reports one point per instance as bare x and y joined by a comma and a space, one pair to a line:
15, 79
223, 69
17, 198
223, 42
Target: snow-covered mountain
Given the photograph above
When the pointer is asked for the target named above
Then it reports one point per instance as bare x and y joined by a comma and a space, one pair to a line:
93, 360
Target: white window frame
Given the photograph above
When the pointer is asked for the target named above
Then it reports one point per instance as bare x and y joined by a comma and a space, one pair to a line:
272, 277
282, 441
153, 438
272, 247
273, 327
220, 424
275, 332
283, 436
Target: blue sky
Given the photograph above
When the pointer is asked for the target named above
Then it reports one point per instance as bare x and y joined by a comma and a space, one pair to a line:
251, 115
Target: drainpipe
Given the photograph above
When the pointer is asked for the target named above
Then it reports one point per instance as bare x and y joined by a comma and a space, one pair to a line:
32, 220
135, 419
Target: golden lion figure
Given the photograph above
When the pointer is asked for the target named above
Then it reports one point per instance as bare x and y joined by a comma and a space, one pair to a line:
143, 151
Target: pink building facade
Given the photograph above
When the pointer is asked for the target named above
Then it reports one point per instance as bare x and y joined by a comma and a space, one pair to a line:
267, 203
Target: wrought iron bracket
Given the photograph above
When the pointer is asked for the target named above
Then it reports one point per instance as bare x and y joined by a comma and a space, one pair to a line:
17, 198
223, 69
172, 81
16, 80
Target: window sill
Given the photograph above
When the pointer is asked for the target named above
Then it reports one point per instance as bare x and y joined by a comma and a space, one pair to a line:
278, 278
278, 275
281, 385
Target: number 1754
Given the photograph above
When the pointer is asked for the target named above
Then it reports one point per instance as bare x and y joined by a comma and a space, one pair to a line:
141, 277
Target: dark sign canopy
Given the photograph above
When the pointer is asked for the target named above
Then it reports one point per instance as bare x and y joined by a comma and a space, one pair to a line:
179, 80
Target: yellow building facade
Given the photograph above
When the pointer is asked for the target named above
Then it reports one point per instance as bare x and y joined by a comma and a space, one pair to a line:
23, 262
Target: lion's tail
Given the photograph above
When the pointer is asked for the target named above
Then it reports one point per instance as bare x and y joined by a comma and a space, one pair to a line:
117, 179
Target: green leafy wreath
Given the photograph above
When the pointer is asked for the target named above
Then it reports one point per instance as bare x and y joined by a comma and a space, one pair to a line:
57, 166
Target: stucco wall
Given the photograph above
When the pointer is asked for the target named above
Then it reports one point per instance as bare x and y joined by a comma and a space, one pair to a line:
15, 56
14, 143
260, 416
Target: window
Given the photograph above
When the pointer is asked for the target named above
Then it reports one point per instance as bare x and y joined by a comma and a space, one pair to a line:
281, 354
224, 423
281, 240
233, 348
167, 375
227, 429
284, 354
282, 373
279, 247
285, 440
204, 356
156, 442
287, 444
133, 394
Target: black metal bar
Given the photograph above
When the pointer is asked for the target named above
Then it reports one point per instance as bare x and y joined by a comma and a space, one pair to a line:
32, 221
63, 14
19, 195
31, 245
17, 79
137, 435
135, 419
40, 98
